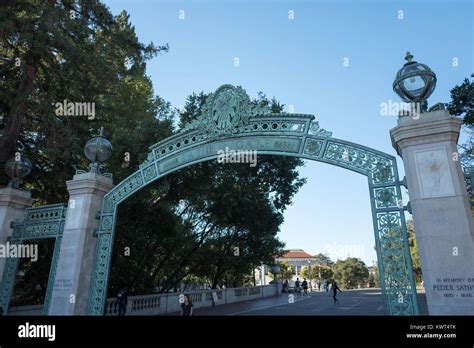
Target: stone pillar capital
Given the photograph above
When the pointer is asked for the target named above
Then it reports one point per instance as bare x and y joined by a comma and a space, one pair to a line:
428, 127
89, 183
15, 198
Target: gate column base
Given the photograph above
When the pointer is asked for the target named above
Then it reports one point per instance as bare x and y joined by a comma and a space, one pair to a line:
72, 287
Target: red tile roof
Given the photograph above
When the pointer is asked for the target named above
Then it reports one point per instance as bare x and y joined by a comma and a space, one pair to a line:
296, 254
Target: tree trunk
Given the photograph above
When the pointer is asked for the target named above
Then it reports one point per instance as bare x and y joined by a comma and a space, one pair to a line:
11, 133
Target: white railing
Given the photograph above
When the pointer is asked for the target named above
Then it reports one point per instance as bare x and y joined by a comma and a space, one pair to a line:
170, 302
157, 304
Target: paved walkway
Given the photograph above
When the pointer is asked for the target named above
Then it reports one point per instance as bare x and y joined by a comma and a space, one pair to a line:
351, 302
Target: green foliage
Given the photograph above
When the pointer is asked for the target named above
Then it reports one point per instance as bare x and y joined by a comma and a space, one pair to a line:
53, 51
324, 260
377, 278
315, 271
351, 273
371, 282
286, 270
462, 102
415, 256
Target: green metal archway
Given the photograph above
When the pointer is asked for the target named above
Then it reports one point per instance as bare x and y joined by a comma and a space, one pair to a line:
229, 119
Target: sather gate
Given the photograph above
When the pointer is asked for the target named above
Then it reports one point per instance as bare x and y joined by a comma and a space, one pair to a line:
229, 119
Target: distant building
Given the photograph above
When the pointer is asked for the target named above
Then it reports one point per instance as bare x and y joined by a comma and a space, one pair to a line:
372, 270
299, 259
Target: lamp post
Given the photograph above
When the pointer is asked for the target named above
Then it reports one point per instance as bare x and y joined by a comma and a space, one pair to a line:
97, 150
309, 274
17, 168
414, 83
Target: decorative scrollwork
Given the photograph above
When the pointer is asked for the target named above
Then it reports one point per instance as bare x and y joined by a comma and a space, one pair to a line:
315, 129
394, 254
8, 280
225, 110
385, 197
360, 159
40, 222
46, 221
99, 280
313, 147
383, 172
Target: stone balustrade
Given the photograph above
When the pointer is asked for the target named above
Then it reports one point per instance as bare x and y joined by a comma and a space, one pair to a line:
158, 304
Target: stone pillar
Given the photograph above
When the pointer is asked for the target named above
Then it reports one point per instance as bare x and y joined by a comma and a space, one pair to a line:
13, 203
71, 291
441, 210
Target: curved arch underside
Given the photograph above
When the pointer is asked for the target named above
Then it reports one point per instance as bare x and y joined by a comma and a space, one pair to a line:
294, 135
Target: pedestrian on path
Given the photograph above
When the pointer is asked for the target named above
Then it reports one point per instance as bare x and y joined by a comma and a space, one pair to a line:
297, 286
334, 289
187, 309
285, 286
122, 299
304, 284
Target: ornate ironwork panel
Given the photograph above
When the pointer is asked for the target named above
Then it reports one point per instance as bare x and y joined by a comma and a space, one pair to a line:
46, 221
52, 274
8, 280
42, 222
229, 119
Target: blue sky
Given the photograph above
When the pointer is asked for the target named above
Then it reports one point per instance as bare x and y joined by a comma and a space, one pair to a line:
300, 60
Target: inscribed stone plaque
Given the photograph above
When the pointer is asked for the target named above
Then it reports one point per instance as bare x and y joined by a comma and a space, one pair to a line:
433, 173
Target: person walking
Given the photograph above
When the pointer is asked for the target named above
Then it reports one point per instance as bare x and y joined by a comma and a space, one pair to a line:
285, 286
122, 300
297, 286
304, 284
334, 289
187, 309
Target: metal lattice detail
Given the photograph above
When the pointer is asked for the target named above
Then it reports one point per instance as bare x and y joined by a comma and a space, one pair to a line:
397, 282
127, 187
150, 173
315, 129
40, 222
386, 197
52, 275
313, 147
46, 221
100, 275
242, 127
8, 280
362, 160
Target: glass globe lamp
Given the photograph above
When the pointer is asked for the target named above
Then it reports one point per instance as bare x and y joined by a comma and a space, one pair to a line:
17, 169
414, 82
98, 150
